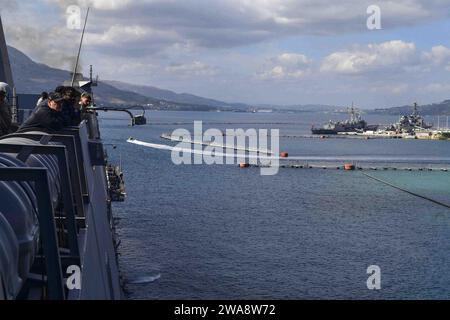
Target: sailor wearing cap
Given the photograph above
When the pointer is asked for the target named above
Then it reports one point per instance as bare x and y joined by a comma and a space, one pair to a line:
70, 111
47, 118
85, 101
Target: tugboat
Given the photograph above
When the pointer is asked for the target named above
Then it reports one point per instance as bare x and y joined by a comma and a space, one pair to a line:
410, 124
354, 124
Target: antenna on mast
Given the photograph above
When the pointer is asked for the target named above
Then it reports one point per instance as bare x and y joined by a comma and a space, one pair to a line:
79, 49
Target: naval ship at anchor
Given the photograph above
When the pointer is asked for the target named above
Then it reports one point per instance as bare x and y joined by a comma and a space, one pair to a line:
355, 124
410, 123
56, 194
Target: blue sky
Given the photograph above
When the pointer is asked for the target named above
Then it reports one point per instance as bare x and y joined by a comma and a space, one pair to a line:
259, 51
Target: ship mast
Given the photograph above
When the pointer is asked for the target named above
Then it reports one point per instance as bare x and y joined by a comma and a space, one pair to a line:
79, 49
415, 112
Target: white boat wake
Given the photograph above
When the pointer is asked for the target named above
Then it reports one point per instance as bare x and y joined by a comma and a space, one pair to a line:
145, 280
249, 155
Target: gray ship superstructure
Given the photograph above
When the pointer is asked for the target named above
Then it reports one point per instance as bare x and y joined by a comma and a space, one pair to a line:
410, 123
354, 124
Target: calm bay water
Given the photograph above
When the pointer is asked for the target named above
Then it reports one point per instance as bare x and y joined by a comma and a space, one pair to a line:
219, 232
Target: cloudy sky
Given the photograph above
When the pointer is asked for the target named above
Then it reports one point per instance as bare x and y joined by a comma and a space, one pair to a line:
253, 51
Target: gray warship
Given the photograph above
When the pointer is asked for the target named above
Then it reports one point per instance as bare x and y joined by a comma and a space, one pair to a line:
56, 221
354, 124
410, 123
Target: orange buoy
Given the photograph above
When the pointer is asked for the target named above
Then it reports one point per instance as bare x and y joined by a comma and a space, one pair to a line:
244, 165
349, 167
284, 155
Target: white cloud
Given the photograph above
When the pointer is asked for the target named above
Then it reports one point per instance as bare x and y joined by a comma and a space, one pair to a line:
167, 42
392, 56
287, 66
293, 60
390, 88
231, 23
129, 34
195, 68
436, 88
96, 4
119, 34
373, 57
440, 56
39, 46
147, 27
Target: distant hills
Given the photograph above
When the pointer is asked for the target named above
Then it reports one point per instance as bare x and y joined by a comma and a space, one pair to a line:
434, 109
168, 95
33, 77
304, 108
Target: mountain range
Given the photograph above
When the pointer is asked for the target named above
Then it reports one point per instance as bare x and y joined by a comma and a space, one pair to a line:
435, 109
168, 95
33, 77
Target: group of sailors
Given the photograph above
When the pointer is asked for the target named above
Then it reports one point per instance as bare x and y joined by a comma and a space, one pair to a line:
54, 111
